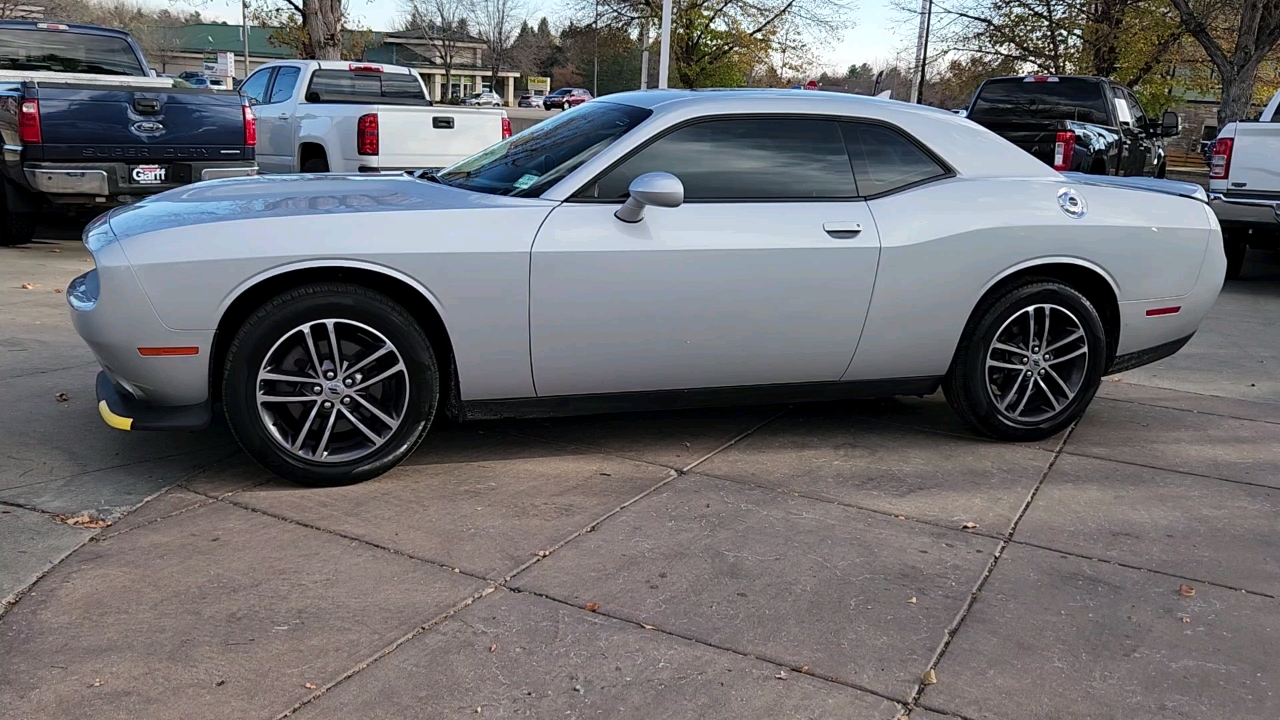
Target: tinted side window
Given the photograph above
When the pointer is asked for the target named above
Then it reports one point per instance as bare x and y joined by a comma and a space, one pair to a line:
282, 88
405, 88
1135, 109
255, 88
344, 86
884, 160
748, 159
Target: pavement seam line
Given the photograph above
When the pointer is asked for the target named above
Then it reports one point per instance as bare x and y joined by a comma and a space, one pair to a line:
352, 672
1195, 412
608, 452
1117, 563
123, 465
751, 656
1168, 470
740, 436
950, 633
203, 503
12, 598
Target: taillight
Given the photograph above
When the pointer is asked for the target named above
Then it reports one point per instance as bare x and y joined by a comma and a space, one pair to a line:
250, 127
506, 127
367, 134
1220, 165
353, 67
29, 122
1064, 146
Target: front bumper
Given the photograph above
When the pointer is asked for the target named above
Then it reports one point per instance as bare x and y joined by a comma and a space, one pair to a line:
123, 411
111, 183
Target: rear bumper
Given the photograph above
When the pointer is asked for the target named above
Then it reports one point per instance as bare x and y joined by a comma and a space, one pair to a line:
1245, 213
122, 411
111, 183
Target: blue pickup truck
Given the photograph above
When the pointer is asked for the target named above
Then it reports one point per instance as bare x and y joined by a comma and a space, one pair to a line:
86, 123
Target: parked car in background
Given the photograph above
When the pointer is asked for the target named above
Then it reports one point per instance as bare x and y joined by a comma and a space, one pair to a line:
530, 100
86, 124
1244, 187
565, 98
566, 271
1081, 124
199, 82
347, 117
487, 98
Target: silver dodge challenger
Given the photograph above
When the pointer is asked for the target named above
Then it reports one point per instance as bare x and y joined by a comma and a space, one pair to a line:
651, 249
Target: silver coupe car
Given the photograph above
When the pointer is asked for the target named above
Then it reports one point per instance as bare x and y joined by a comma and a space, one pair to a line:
650, 249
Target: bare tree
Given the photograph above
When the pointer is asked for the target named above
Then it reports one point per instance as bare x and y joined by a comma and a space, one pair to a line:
1248, 41
444, 26
496, 23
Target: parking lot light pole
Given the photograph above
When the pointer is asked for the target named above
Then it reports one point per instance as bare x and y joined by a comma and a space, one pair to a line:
244, 28
664, 53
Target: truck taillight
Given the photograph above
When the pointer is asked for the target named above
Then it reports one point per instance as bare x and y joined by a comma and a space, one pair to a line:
250, 127
1064, 146
1220, 165
506, 127
29, 122
367, 134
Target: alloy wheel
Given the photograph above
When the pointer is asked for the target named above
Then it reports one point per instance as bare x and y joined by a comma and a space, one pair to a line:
332, 390
1037, 363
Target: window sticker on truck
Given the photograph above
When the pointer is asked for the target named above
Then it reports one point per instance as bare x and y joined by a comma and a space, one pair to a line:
148, 174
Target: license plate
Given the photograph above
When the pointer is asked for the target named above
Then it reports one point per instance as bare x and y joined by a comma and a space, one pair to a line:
148, 174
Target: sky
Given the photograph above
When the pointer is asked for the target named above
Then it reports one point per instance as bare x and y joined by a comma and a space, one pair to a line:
877, 35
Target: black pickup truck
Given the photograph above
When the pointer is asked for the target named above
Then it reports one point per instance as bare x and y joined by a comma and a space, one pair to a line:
1079, 124
86, 123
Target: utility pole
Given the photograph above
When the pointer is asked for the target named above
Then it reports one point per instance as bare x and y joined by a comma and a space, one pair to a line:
244, 27
922, 50
664, 54
595, 54
644, 54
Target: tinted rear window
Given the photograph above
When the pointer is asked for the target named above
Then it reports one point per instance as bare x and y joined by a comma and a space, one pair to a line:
1018, 99
61, 51
345, 86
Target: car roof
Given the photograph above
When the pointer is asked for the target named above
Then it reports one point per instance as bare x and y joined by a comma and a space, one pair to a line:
86, 29
802, 100
343, 65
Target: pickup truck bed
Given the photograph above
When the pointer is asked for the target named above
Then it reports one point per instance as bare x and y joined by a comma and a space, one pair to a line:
1244, 185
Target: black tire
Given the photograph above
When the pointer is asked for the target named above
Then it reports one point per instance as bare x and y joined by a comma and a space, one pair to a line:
1162, 171
1235, 246
274, 322
1098, 168
969, 388
16, 228
316, 165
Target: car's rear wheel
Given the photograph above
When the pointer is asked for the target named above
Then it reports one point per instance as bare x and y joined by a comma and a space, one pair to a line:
330, 384
1029, 362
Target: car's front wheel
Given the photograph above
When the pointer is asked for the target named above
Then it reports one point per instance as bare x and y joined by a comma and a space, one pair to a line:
1028, 363
330, 384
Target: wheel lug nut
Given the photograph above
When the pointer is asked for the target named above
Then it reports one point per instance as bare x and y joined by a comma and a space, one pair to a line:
329, 375
346, 400
317, 389
327, 405
1028, 373
348, 382
1024, 361
1042, 372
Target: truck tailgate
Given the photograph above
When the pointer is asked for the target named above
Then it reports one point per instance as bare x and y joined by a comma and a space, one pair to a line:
1035, 136
83, 122
433, 137
1253, 159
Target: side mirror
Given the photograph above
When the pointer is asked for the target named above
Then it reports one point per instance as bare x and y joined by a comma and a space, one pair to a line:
1170, 124
658, 189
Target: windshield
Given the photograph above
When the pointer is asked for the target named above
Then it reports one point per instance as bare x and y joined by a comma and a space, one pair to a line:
1019, 99
58, 51
525, 165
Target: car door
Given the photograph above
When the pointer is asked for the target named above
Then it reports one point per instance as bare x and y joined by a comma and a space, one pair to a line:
1147, 145
276, 127
1132, 153
254, 89
763, 275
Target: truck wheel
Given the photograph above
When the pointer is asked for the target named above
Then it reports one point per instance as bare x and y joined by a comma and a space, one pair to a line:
16, 228
1236, 248
316, 165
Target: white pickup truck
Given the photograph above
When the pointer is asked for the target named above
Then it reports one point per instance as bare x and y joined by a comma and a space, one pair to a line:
1244, 185
356, 117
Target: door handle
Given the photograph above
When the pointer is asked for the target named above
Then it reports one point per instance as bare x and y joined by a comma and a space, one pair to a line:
283, 116
842, 230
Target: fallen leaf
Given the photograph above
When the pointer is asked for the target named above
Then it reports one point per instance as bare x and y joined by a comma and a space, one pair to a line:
493, 648
97, 682
309, 686
648, 627
782, 675
1186, 619
457, 570
220, 683
901, 517
55, 250
804, 668
58, 290
592, 607
1186, 590
912, 600
930, 677
28, 286
62, 397
543, 553
477, 711
969, 526
83, 520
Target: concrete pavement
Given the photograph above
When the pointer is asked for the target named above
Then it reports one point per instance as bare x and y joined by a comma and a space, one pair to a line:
807, 562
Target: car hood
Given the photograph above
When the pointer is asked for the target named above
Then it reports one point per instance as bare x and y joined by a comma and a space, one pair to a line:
239, 199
